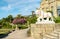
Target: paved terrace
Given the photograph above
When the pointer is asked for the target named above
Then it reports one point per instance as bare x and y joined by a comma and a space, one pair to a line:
18, 34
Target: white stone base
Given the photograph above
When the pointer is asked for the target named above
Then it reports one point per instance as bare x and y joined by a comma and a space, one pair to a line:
46, 22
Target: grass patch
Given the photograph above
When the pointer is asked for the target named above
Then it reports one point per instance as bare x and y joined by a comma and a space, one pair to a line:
5, 31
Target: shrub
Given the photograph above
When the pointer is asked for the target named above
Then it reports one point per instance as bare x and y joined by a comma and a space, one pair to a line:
19, 21
57, 20
22, 26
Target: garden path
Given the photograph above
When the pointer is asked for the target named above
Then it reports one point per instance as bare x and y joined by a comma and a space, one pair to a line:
18, 34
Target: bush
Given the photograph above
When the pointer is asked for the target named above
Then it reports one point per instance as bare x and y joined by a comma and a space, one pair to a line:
6, 25
57, 20
22, 26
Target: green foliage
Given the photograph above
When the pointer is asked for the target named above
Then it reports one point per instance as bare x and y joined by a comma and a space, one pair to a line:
32, 19
57, 20
22, 26
18, 16
6, 25
9, 18
5, 22
4, 31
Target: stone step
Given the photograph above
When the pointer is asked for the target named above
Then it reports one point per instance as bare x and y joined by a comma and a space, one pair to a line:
50, 35
53, 35
56, 31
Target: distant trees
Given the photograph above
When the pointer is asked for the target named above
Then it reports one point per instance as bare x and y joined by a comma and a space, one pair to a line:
32, 18
21, 20
18, 16
5, 22
9, 18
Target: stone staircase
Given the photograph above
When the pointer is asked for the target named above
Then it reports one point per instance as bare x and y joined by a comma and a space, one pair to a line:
53, 35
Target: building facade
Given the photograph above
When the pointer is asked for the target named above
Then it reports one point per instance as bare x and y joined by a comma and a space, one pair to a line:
52, 6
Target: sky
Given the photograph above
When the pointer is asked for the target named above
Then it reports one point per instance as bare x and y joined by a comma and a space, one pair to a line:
14, 7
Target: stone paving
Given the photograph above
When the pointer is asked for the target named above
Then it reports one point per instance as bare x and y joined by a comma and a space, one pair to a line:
18, 34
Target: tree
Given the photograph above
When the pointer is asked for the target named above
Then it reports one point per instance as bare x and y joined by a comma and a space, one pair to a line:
32, 18
9, 18
3, 19
19, 21
18, 16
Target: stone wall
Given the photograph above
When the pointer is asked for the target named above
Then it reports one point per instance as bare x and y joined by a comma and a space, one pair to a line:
37, 30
